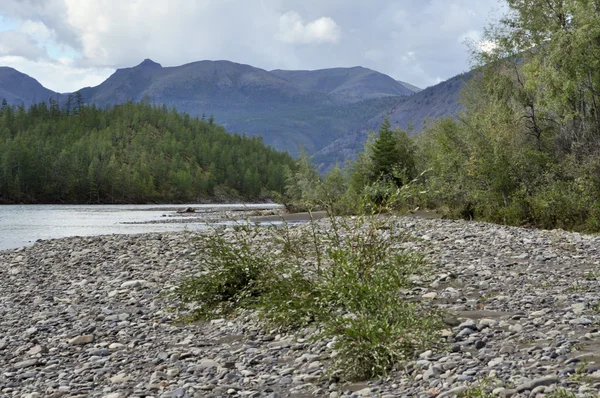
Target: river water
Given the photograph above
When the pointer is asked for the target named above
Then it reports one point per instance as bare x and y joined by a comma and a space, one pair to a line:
22, 225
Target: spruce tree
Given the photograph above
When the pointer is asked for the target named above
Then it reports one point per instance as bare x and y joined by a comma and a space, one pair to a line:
384, 155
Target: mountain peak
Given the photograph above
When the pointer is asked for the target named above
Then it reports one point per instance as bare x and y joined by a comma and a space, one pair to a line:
148, 63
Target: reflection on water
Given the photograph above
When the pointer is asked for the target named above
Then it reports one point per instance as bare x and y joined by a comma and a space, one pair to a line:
22, 225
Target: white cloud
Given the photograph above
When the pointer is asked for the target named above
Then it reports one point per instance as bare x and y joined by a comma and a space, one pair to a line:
61, 75
37, 30
100, 35
19, 44
292, 29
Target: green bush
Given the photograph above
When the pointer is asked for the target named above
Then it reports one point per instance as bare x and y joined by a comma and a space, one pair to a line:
347, 278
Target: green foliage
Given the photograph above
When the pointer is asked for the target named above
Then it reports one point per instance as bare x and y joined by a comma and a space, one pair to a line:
392, 156
231, 273
347, 279
132, 153
525, 147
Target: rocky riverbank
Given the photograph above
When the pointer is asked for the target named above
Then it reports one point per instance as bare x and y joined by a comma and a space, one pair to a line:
85, 317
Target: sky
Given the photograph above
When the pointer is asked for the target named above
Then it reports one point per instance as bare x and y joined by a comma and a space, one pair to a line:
70, 44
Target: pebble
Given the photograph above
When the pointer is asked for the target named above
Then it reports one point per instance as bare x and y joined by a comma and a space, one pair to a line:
88, 316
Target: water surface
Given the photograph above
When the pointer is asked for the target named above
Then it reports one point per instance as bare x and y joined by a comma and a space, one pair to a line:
22, 225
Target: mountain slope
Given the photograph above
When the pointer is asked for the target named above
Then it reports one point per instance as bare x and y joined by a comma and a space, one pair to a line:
250, 100
325, 111
203, 82
409, 86
433, 102
351, 84
20, 89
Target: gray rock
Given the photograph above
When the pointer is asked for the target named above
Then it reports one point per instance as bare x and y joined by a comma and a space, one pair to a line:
580, 322
26, 364
81, 340
542, 381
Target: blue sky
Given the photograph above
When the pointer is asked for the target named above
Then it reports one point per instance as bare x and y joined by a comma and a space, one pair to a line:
69, 44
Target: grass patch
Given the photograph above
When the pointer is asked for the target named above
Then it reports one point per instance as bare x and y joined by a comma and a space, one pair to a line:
349, 278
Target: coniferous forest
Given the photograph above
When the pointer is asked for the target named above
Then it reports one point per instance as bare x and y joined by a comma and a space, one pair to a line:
130, 153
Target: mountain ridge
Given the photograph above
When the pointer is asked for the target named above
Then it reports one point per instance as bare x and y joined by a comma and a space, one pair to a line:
326, 111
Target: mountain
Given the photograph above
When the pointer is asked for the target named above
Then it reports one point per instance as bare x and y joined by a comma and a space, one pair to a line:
409, 86
327, 111
20, 89
431, 103
197, 85
351, 84
289, 110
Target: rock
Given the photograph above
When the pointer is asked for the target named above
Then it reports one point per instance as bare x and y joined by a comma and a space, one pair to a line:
452, 392
431, 372
132, 284
178, 393
468, 324
115, 395
26, 364
186, 210
542, 381
121, 378
580, 322
81, 340
578, 308
37, 349
507, 393
207, 363
430, 295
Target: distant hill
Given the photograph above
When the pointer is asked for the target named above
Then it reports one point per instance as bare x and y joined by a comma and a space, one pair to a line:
350, 84
198, 86
409, 86
288, 110
327, 111
431, 103
20, 89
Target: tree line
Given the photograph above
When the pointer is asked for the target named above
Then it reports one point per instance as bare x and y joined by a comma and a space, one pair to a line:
524, 150
130, 153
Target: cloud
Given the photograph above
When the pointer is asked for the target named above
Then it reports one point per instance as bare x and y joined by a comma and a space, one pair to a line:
293, 30
416, 41
60, 75
19, 44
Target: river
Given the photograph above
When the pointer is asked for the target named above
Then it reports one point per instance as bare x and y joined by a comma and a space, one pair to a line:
23, 225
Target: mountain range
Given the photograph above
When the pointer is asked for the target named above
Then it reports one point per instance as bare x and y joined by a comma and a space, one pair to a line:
328, 111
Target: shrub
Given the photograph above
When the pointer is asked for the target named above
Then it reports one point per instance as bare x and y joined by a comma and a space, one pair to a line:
347, 276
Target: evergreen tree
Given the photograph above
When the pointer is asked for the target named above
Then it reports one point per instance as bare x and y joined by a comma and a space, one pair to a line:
130, 153
392, 155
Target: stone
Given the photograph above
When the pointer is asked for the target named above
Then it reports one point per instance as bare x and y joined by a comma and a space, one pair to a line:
578, 308
37, 349
81, 340
542, 381
207, 363
26, 364
452, 392
468, 324
115, 395
580, 322
132, 284
431, 372
121, 378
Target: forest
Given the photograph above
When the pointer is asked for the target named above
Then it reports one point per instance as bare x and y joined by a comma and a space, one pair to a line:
130, 153
524, 149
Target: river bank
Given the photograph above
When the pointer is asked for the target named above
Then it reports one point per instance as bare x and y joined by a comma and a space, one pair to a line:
88, 317
22, 225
